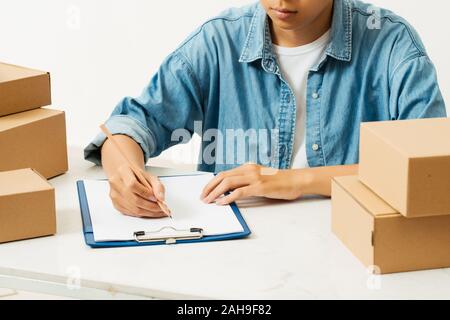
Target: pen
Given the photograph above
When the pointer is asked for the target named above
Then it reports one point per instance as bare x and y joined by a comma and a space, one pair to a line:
137, 172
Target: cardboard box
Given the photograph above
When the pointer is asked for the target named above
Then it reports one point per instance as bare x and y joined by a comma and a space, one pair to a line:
407, 163
23, 89
380, 236
27, 206
34, 139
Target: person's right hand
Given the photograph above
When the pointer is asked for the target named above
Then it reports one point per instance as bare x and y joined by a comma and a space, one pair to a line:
132, 198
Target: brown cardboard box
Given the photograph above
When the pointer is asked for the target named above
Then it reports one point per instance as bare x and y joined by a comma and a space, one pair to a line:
27, 206
34, 139
23, 89
407, 163
380, 236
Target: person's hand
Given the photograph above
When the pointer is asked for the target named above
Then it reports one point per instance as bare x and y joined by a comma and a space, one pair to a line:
253, 180
132, 198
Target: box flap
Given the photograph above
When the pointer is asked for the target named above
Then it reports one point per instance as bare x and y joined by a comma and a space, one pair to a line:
415, 138
365, 197
9, 72
20, 119
21, 181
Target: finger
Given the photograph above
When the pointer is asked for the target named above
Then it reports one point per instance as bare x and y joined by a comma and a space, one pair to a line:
149, 214
130, 200
124, 210
132, 184
118, 200
216, 181
242, 170
226, 185
143, 213
212, 185
148, 210
158, 188
237, 194
141, 203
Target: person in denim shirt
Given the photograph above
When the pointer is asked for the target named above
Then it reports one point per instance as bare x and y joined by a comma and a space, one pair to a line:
225, 81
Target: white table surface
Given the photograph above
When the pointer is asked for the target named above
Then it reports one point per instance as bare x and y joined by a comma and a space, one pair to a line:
291, 254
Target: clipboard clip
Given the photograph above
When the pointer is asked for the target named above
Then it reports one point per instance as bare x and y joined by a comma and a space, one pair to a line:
169, 235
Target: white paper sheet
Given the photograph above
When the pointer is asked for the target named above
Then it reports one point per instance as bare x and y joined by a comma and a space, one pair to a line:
182, 197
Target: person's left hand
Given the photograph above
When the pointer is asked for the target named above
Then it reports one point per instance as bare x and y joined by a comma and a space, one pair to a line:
252, 180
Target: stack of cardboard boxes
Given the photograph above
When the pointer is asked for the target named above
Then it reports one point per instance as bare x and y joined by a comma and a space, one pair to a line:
395, 216
33, 148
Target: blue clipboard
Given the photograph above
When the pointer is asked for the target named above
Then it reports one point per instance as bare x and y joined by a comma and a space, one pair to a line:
89, 233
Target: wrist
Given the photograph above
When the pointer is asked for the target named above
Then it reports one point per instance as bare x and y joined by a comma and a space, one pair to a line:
112, 159
317, 181
308, 181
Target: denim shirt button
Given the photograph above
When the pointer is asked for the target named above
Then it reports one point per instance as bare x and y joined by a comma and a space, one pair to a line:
315, 96
315, 147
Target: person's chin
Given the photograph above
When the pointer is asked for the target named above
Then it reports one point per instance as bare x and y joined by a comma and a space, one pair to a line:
285, 25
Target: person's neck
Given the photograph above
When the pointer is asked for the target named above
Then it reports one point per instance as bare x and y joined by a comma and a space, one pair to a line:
305, 35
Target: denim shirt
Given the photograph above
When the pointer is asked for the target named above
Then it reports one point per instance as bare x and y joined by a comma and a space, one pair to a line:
224, 81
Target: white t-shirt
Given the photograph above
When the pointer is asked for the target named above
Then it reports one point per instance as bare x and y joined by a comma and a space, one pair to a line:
295, 64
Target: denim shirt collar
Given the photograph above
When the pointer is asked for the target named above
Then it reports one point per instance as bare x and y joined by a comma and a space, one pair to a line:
258, 44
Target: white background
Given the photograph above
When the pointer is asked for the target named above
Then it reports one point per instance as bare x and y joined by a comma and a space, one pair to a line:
99, 51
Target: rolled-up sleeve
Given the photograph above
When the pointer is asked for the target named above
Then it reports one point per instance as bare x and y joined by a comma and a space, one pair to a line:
414, 90
171, 101
124, 125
